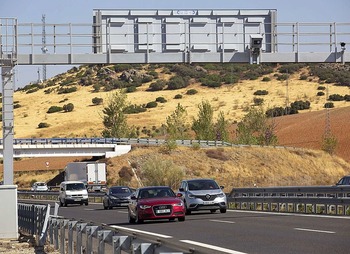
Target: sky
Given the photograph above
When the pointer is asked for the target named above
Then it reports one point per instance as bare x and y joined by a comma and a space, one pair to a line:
81, 11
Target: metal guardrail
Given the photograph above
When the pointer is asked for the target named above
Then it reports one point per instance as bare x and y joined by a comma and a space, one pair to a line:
32, 220
314, 199
71, 236
127, 141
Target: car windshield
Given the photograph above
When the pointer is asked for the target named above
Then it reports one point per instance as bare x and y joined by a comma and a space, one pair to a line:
120, 190
156, 193
75, 186
202, 185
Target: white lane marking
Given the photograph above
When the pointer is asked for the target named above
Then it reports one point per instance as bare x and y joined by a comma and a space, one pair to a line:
122, 212
143, 232
213, 247
292, 214
223, 221
314, 230
90, 209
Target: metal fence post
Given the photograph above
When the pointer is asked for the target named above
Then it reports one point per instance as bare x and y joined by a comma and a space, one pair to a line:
71, 225
103, 236
121, 243
91, 231
81, 227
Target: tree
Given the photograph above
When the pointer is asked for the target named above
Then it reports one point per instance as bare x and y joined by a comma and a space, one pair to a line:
157, 171
114, 119
176, 123
221, 128
68, 107
203, 126
256, 129
329, 143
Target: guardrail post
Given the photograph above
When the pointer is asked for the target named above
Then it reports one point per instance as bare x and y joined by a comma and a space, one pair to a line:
55, 233
91, 231
71, 225
121, 243
81, 227
103, 236
143, 248
63, 224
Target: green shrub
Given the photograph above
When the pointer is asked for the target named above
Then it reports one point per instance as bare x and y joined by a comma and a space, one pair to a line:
322, 88
64, 90
68, 107
43, 125
329, 105
258, 101
347, 97
266, 79
320, 93
303, 77
97, 101
191, 92
178, 96
178, 82
336, 97
157, 85
54, 109
151, 104
261, 92
131, 89
134, 109
161, 99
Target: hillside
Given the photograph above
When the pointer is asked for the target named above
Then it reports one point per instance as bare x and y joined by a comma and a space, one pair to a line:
303, 130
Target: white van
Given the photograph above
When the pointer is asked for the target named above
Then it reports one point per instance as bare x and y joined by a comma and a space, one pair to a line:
73, 192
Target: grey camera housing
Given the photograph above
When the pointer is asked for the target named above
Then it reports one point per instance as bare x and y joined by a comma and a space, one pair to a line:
256, 41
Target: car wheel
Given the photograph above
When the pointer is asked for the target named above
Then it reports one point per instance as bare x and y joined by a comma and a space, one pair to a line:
131, 219
86, 203
223, 210
181, 218
104, 206
213, 210
61, 204
64, 203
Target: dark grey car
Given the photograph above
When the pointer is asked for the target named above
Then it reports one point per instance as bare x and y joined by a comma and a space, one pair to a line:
117, 196
203, 194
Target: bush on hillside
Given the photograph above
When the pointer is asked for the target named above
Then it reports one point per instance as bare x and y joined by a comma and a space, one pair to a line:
329, 105
261, 92
151, 104
43, 125
54, 109
97, 101
68, 107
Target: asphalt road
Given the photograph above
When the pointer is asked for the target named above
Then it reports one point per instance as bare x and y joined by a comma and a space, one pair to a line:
236, 231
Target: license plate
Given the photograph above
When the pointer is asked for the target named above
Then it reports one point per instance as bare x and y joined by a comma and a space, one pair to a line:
163, 211
208, 202
77, 199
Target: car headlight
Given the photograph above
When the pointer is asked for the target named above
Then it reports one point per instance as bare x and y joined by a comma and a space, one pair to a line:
112, 197
221, 195
190, 195
178, 204
144, 206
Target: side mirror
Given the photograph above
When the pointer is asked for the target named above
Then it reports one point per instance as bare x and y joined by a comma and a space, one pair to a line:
133, 197
179, 195
181, 189
222, 187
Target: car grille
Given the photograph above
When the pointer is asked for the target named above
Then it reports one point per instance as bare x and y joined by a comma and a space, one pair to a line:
161, 210
206, 197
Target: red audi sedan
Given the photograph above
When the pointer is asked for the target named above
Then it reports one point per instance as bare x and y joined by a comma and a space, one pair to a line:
154, 203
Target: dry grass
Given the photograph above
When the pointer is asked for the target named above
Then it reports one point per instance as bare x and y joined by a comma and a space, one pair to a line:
244, 166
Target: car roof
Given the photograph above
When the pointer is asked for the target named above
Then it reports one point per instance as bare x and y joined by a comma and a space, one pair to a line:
199, 179
154, 187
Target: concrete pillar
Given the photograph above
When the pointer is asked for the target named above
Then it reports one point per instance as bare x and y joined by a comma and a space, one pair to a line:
8, 212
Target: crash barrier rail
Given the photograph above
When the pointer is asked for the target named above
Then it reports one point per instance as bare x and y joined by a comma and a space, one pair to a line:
332, 200
127, 141
72, 236
32, 220
308, 199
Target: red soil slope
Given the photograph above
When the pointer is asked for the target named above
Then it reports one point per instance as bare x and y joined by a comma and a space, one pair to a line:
306, 130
